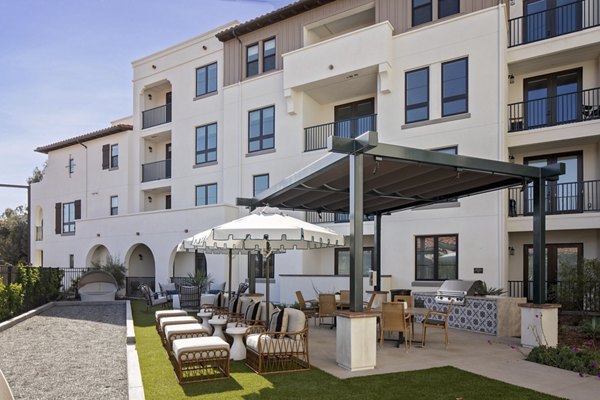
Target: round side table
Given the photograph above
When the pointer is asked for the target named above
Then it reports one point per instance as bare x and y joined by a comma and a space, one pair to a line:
218, 324
238, 350
205, 316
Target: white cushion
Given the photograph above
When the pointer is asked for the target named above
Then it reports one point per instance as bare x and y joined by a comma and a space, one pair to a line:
176, 320
169, 313
283, 345
296, 320
199, 343
184, 328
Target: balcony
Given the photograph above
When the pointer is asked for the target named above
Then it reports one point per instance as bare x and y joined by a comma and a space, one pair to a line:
572, 17
315, 137
156, 170
556, 110
561, 198
156, 116
315, 217
39, 233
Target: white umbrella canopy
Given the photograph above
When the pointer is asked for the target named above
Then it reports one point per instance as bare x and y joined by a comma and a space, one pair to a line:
266, 230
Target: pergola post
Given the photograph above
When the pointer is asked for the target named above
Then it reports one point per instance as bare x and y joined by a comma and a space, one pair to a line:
356, 232
377, 251
539, 240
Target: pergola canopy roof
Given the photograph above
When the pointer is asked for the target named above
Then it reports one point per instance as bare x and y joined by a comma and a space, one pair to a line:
395, 178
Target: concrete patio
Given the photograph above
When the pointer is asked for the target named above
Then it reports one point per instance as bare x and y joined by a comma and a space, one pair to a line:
499, 358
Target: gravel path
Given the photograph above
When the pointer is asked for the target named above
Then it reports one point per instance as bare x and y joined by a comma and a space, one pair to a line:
67, 352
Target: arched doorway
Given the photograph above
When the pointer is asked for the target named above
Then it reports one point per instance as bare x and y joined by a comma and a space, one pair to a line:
140, 269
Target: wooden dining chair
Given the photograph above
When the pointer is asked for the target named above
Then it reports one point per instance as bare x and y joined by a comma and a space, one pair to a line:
410, 304
327, 308
307, 307
393, 319
437, 319
344, 298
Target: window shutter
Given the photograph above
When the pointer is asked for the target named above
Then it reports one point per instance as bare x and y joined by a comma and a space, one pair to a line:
58, 218
105, 156
77, 209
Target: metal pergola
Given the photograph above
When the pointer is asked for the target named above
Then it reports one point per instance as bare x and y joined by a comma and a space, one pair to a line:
364, 177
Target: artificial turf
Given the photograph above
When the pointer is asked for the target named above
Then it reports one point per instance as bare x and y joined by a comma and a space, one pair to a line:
451, 383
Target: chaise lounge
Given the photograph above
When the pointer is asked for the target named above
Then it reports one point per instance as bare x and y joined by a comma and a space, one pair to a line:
201, 359
97, 286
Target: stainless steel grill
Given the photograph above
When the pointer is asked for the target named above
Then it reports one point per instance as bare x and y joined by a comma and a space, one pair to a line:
457, 290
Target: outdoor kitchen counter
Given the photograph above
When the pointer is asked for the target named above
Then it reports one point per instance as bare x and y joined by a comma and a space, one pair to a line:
493, 315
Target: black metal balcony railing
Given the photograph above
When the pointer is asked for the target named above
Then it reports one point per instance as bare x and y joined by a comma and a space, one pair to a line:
39, 233
315, 137
555, 110
156, 170
572, 17
561, 198
156, 116
315, 217
557, 292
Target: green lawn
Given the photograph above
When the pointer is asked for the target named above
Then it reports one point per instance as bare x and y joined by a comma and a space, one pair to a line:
160, 381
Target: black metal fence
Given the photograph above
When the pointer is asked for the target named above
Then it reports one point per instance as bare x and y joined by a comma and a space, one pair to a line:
315, 137
556, 292
545, 24
156, 170
554, 110
561, 198
315, 217
156, 116
70, 278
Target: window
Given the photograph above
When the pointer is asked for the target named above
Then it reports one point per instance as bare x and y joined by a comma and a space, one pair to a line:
421, 12
168, 202
436, 257
448, 7
261, 129
252, 60
114, 156
342, 261
206, 79
454, 87
206, 143
417, 95
68, 220
447, 150
71, 260
269, 55
549, 18
206, 194
553, 99
114, 205
200, 266
71, 166
260, 184
256, 261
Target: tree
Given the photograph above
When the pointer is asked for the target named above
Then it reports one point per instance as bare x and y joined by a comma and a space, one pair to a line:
38, 174
14, 234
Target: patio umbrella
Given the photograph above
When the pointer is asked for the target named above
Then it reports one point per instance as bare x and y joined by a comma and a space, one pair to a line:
267, 230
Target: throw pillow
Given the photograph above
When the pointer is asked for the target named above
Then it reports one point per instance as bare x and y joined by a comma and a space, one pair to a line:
253, 311
279, 322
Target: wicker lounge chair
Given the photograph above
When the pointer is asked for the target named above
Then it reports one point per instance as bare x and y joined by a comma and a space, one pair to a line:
201, 359
284, 347
182, 331
153, 299
167, 313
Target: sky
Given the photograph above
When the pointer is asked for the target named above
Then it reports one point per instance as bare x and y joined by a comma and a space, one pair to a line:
65, 66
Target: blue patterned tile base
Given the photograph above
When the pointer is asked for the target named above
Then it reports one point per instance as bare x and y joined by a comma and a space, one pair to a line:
477, 315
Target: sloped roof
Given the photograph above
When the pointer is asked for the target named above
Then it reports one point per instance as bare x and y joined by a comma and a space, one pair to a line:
84, 138
280, 14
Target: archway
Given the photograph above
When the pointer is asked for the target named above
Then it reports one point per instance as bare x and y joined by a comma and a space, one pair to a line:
141, 268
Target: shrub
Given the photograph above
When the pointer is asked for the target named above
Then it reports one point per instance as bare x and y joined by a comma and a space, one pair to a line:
113, 266
11, 300
591, 327
584, 360
578, 284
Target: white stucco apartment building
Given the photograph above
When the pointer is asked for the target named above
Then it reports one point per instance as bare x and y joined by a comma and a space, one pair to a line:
235, 110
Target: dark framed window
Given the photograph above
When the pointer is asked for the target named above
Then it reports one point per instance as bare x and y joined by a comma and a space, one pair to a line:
71, 166
269, 55
71, 260
200, 266
114, 205
206, 194
256, 261
206, 79
252, 60
342, 261
455, 90
261, 129
68, 217
417, 95
549, 18
206, 143
448, 7
421, 12
436, 257
168, 202
260, 183
114, 156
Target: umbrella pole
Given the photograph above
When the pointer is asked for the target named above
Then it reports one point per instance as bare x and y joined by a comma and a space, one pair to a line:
230, 260
267, 287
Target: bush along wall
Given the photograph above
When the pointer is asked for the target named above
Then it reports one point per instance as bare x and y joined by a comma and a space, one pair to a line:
33, 287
